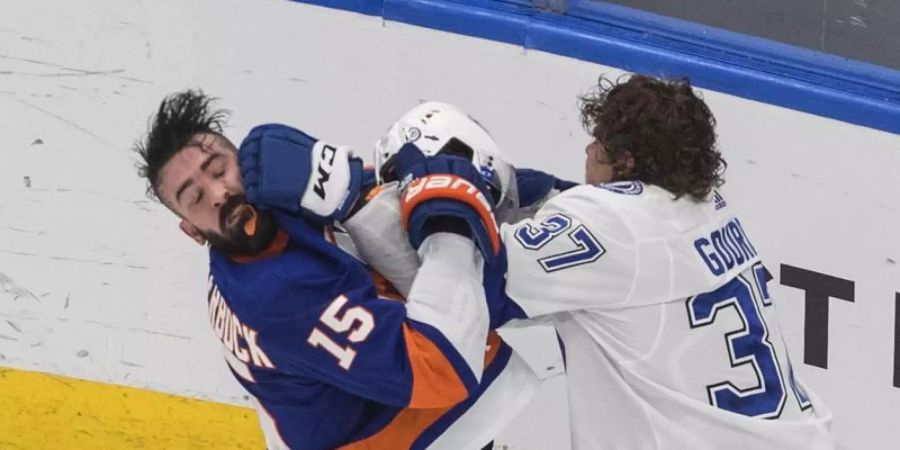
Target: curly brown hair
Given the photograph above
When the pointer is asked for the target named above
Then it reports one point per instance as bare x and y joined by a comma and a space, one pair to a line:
666, 128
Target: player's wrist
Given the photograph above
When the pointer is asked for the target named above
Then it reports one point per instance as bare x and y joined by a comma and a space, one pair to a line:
453, 225
367, 190
445, 191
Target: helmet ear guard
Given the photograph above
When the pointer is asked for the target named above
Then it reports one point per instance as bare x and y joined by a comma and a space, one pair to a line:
453, 147
456, 147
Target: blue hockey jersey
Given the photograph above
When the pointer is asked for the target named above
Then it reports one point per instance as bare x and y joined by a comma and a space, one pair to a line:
332, 361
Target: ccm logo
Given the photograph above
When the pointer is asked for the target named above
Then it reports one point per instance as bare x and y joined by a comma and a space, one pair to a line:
326, 163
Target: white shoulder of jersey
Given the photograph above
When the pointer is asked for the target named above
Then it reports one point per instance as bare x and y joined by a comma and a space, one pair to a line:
555, 257
595, 205
618, 244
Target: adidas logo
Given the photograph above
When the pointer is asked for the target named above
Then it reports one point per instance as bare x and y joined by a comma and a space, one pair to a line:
719, 200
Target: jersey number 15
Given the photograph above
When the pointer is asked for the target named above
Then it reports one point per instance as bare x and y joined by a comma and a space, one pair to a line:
355, 322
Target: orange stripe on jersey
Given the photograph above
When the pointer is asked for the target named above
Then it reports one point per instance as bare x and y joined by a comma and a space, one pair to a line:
493, 346
435, 382
329, 234
374, 192
401, 432
409, 424
383, 287
274, 249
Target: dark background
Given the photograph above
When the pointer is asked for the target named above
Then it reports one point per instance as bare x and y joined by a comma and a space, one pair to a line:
865, 30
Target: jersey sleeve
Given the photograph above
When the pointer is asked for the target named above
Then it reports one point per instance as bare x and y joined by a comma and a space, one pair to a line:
575, 253
331, 325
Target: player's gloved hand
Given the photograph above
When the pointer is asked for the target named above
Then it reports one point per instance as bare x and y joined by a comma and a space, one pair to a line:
285, 168
368, 188
535, 186
445, 193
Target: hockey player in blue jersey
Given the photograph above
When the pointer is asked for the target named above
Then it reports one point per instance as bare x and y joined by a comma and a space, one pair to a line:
333, 357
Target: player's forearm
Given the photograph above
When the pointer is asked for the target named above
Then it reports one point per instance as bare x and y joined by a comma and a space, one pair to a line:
447, 295
381, 240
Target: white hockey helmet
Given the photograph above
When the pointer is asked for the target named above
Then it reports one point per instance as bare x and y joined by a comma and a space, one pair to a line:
436, 128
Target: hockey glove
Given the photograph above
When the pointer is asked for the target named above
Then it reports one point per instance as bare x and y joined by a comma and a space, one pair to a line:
284, 168
445, 193
535, 186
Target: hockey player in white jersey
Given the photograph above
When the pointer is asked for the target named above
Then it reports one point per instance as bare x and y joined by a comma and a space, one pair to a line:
653, 284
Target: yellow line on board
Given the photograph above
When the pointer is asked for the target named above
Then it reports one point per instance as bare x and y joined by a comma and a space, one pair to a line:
40, 411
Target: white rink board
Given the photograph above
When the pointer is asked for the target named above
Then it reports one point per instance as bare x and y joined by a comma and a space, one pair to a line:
97, 282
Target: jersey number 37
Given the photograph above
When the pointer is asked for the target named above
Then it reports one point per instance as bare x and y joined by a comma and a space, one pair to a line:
587, 247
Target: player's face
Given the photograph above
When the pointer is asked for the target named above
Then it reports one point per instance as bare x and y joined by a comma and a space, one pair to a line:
202, 184
597, 168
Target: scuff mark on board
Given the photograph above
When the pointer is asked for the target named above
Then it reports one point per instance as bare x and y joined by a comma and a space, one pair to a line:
7, 285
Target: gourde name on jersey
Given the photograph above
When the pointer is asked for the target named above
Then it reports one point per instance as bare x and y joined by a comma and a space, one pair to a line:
725, 247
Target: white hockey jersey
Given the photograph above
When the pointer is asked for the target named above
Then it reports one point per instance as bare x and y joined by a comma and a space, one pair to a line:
669, 330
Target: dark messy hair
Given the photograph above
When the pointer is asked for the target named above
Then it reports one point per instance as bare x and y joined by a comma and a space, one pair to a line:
180, 116
663, 125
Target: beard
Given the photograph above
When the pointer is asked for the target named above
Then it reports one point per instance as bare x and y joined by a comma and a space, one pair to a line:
234, 239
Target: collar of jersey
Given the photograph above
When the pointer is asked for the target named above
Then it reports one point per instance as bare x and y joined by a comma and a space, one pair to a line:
279, 243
